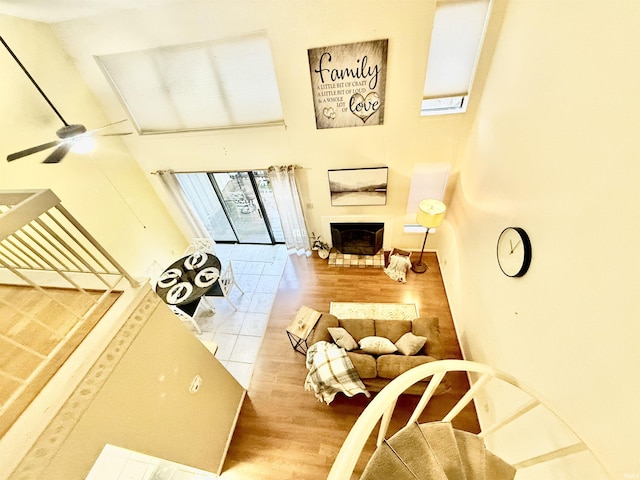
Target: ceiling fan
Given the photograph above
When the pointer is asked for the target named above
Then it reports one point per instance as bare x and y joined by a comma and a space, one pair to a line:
68, 135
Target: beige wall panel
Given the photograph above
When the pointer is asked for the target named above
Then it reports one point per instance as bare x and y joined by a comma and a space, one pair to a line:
145, 405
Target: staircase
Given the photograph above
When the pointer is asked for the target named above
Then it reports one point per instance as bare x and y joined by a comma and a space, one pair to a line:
526, 441
435, 451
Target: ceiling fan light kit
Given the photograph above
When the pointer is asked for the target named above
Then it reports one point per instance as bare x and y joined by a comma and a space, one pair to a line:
69, 134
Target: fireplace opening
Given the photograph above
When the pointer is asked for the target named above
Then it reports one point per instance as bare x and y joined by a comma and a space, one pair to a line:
357, 238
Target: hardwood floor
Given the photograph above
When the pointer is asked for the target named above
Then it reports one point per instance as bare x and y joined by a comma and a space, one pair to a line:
283, 432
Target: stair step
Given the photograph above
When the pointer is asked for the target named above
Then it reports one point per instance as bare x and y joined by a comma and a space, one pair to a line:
443, 442
435, 451
497, 468
385, 465
472, 452
412, 446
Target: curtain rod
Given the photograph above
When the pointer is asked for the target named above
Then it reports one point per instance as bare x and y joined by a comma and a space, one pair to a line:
156, 172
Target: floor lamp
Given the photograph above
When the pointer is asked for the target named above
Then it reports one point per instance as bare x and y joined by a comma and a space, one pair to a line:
430, 215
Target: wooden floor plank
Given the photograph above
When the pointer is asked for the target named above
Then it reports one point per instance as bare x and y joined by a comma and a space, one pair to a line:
283, 432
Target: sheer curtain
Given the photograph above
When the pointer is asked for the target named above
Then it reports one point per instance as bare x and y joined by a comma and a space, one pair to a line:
173, 187
285, 192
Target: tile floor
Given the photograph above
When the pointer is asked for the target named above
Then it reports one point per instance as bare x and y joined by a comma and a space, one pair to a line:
337, 259
238, 333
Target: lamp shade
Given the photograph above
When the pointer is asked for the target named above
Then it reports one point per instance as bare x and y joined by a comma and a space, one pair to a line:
430, 213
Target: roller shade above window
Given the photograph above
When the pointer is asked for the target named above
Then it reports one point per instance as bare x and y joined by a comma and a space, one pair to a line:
216, 84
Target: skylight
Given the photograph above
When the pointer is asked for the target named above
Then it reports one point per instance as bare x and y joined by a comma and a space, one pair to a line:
456, 40
197, 86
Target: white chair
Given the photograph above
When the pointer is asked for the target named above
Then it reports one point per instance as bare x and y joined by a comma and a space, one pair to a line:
203, 302
201, 244
185, 317
224, 285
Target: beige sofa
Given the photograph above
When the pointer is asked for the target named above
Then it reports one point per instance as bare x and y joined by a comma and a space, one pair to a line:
376, 371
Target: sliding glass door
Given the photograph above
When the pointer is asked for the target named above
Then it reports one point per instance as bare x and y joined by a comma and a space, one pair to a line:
234, 206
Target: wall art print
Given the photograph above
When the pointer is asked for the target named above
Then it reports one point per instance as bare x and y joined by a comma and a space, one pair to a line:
358, 186
348, 83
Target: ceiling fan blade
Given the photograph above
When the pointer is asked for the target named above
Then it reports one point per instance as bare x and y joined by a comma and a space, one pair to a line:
91, 132
59, 153
29, 151
118, 134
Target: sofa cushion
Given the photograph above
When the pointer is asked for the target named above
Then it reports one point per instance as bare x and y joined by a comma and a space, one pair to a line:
410, 344
364, 364
321, 332
390, 366
377, 345
342, 338
429, 327
392, 329
358, 328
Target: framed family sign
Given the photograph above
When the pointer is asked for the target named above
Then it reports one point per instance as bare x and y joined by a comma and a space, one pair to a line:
358, 186
348, 83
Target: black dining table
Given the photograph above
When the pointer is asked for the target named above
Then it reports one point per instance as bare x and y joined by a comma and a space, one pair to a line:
188, 279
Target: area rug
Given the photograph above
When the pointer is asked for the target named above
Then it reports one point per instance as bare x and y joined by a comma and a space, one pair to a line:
387, 311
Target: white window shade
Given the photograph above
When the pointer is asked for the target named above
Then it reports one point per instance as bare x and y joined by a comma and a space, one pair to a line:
197, 86
456, 39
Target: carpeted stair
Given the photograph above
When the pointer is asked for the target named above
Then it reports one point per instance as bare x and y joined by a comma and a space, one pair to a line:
435, 451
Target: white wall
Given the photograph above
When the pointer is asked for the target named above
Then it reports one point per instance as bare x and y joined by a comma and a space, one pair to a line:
555, 149
292, 28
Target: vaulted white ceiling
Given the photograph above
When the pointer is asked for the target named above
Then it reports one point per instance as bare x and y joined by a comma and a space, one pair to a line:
52, 11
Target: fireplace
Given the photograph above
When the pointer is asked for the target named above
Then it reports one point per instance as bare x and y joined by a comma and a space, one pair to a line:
357, 238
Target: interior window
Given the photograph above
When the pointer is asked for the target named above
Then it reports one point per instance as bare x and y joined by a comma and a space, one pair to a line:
456, 40
205, 85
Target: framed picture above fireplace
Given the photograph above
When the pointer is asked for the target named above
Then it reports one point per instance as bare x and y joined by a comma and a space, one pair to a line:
358, 186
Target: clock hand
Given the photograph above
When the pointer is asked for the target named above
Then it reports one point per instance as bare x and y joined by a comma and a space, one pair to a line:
515, 246
511, 244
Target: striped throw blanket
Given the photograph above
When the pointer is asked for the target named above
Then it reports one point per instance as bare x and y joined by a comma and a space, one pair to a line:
330, 372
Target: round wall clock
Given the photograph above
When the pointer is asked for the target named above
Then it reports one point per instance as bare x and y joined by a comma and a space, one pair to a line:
514, 251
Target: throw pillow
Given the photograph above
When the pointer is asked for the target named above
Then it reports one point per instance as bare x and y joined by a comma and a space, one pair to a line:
410, 344
342, 338
377, 345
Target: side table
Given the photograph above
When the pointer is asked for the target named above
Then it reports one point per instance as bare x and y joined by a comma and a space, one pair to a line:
299, 329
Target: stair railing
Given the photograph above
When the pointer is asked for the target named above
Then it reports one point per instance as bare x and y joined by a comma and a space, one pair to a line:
42, 243
43, 247
381, 408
